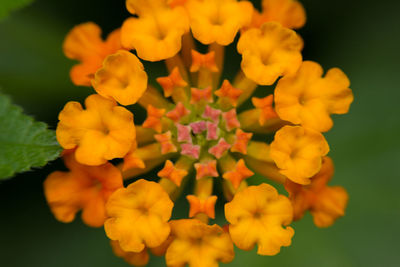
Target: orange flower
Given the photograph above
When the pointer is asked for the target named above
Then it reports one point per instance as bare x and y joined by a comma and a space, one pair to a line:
102, 132
206, 61
165, 141
229, 92
171, 82
264, 105
84, 44
153, 120
298, 152
257, 214
201, 95
133, 258
241, 141
198, 245
202, 205
172, 173
138, 216
326, 203
289, 13
178, 112
157, 32
83, 188
269, 52
218, 21
206, 169
122, 78
308, 99
240, 173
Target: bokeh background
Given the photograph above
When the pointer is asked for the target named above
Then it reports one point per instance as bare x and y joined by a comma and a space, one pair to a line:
361, 37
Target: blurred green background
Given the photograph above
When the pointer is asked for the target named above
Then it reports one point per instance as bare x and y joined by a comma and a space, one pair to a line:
361, 37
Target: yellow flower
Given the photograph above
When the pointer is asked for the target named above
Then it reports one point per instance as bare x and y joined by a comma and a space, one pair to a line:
138, 216
157, 32
198, 245
85, 188
122, 78
326, 203
256, 215
289, 13
133, 258
298, 152
218, 20
102, 132
84, 44
308, 99
269, 52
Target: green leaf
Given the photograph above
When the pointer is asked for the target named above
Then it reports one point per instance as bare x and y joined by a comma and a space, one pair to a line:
7, 6
24, 143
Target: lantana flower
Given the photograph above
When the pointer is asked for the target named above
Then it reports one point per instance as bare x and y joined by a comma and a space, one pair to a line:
84, 43
257, 215
326, 203
201, 128
298, 152
198, 244
83, 187
138, 216
308, 98
289, 13
102, 132
133, 258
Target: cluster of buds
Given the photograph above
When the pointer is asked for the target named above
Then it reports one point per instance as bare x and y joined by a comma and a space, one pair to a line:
195, 132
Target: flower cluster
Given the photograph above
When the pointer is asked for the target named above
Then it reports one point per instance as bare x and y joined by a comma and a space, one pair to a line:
194, 130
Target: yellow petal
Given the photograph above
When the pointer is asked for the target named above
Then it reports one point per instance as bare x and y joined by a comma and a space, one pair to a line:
308, 98
198, 245
102, 132
218, 21
156, 35
298, 152
122, 78
138, 216
269, 52
257, 215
